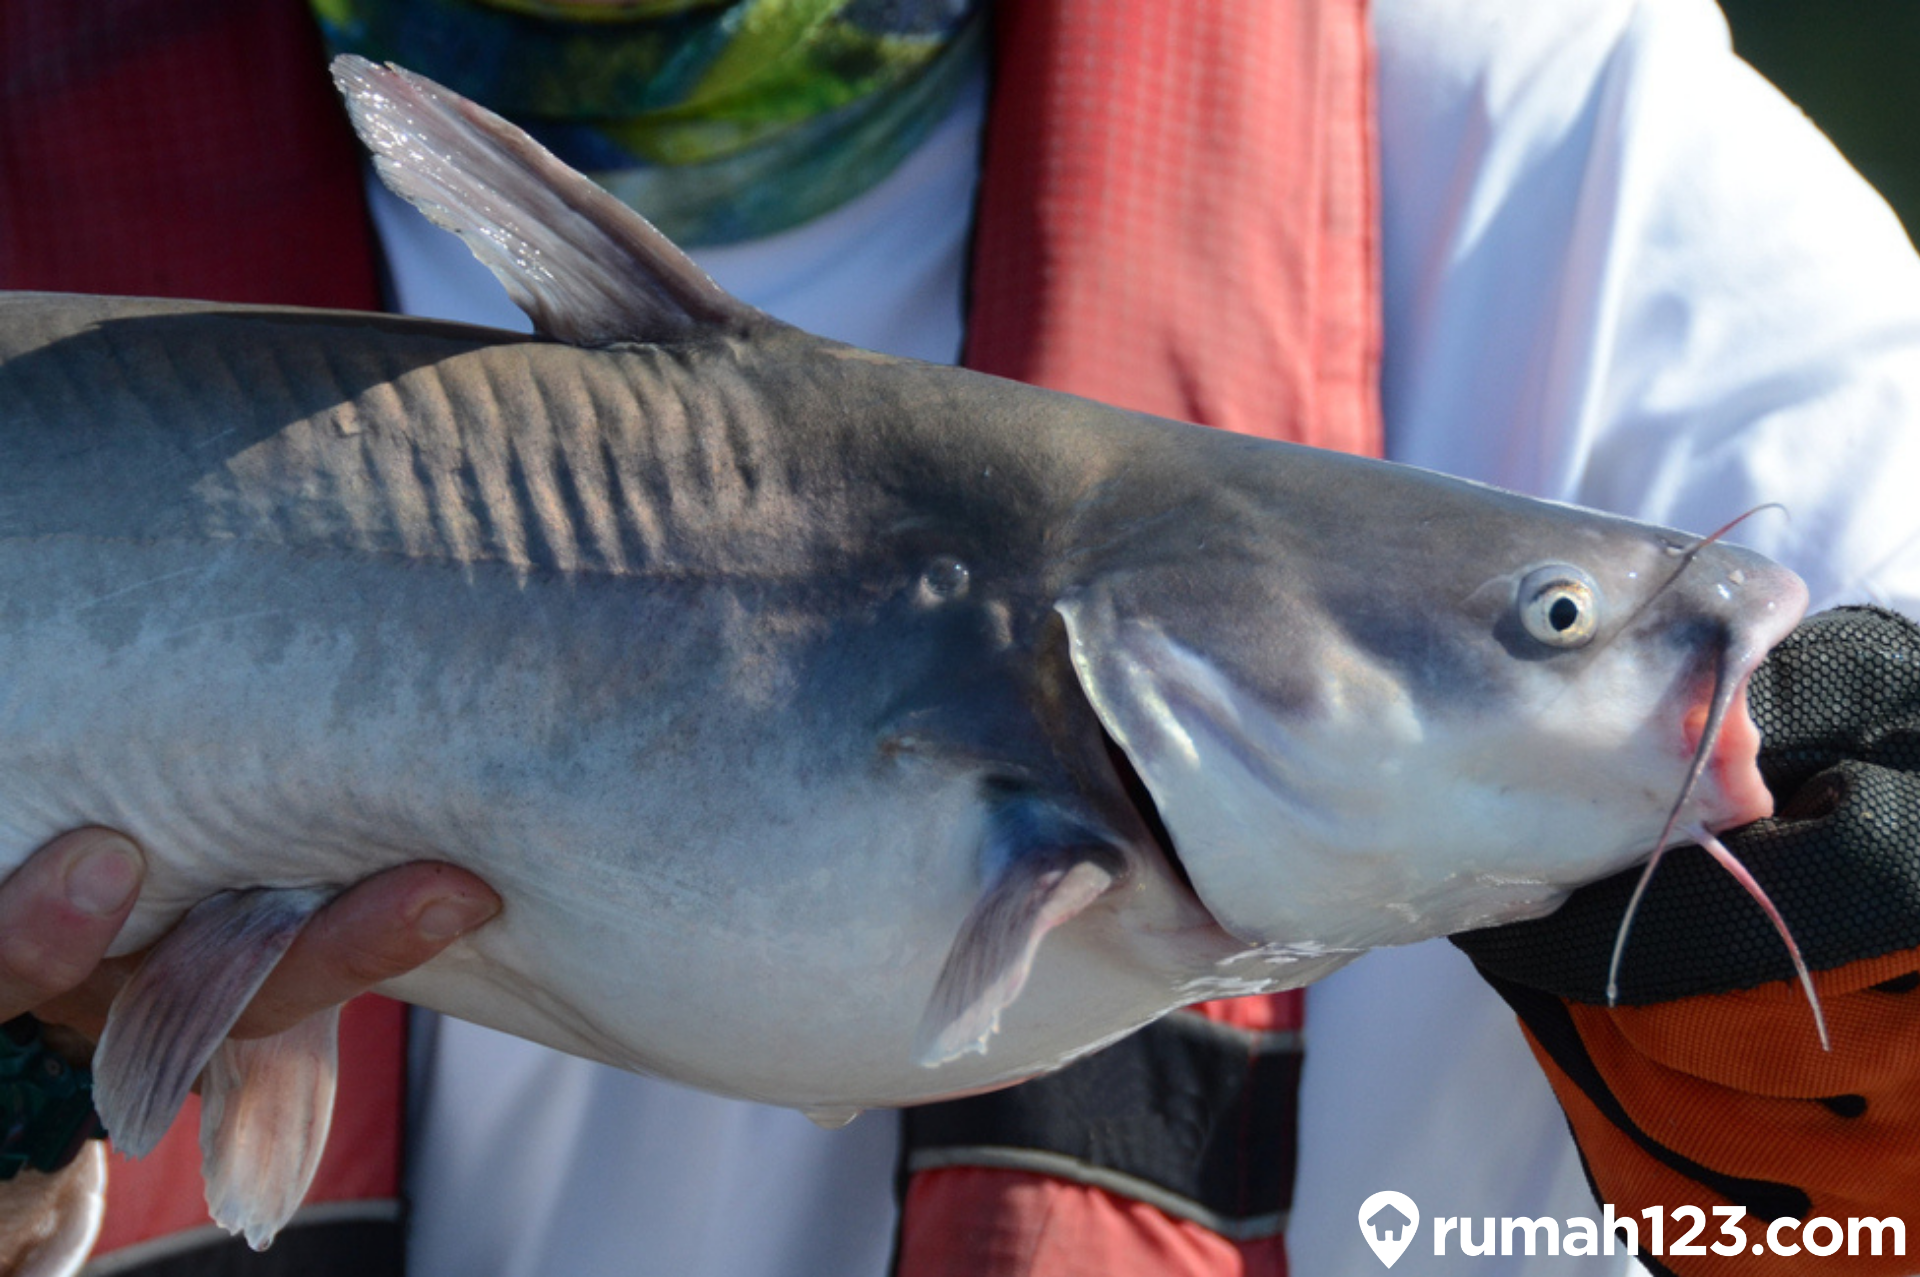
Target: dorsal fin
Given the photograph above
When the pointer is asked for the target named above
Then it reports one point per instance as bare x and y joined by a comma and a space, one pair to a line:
585, 268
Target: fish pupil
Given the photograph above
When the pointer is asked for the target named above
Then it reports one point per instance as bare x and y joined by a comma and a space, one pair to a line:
1564, 614
945, 580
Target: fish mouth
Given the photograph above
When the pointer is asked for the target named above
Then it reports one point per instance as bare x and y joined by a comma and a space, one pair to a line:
1718, 733
1726, 748
1732, 761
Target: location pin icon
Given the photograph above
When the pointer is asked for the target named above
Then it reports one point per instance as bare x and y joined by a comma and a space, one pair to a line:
1388, 1220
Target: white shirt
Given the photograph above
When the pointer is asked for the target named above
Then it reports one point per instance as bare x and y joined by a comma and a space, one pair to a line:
1619, 270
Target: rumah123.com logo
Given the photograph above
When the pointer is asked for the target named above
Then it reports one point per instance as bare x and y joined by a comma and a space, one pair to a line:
1388, 1220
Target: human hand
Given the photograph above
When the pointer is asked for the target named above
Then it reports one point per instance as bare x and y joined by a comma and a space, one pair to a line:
59, 912
62, 908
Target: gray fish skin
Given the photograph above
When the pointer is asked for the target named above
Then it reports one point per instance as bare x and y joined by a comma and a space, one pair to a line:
657, 658
665, 642
839, 730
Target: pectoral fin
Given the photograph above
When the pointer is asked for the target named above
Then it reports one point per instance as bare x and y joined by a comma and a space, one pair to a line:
1050, 869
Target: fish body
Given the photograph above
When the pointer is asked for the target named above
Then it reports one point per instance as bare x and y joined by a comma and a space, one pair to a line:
840, 731
691, 704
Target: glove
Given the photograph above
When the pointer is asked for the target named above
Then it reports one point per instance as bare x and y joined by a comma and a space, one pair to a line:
1707, 1087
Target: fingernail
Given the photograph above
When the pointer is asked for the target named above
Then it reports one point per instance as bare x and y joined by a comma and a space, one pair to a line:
104, 878
453, 917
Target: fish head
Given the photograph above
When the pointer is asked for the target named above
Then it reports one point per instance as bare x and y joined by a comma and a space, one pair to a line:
1372, 704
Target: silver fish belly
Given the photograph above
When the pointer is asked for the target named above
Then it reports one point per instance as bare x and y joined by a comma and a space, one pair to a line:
935, 728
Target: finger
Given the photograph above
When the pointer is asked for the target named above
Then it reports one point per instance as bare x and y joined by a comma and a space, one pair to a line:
374, 931
60, 910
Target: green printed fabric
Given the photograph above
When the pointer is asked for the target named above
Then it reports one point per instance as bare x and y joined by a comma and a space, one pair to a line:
719, 120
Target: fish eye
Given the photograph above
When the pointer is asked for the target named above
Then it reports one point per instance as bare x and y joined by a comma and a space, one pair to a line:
944, 580
1560, 606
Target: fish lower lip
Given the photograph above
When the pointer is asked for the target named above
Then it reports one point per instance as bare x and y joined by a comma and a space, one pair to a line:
1739, 794
1734, 767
